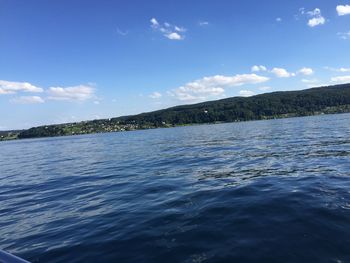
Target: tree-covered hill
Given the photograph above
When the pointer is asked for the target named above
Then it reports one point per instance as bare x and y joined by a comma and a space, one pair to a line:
323, 100
275, 104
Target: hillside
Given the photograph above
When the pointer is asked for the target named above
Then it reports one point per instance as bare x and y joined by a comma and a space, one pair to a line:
323, 100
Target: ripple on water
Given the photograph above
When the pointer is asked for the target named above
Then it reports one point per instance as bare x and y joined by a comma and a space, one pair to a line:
264, 191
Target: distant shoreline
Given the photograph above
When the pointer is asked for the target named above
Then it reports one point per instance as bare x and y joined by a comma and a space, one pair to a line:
175, 126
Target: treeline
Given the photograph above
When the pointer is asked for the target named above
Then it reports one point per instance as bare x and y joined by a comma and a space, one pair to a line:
275, 104
332, 99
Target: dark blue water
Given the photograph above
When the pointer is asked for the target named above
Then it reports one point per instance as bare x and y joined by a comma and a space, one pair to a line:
263, 191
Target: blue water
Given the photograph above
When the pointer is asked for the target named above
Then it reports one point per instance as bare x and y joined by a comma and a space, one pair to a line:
262, 191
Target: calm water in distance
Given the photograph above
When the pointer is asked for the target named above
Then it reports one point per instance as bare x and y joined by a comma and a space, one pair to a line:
261, 191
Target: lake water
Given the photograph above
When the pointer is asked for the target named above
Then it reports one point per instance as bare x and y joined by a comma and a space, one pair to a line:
261, 191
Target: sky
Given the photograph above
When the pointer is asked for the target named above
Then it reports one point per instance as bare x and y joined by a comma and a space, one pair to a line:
73, 60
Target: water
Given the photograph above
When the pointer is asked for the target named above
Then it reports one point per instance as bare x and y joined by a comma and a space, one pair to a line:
263, 191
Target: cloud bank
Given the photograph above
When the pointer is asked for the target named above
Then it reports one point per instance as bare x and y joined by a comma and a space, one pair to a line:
213, 86
11, 87
75, 93
27, 100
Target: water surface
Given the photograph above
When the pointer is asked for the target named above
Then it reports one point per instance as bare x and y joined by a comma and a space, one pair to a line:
262, 191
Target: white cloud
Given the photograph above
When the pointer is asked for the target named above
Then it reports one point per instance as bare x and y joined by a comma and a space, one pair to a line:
174, 36
315, 17
316, 21
155, 95
344, 35
278, 19
27, 100
306, 71
315, 12
154, 22
172, 32
197, 94
213, 86
343, 10
11, 87
184, 95
246, 93
344, 70
281, 73
257, 68
338, 69
180, 29
76, 93
341, 79
232, 81
5, 91
265, 88
309, 81
203, 23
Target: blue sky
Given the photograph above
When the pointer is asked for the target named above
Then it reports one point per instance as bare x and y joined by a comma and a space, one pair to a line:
66, 61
